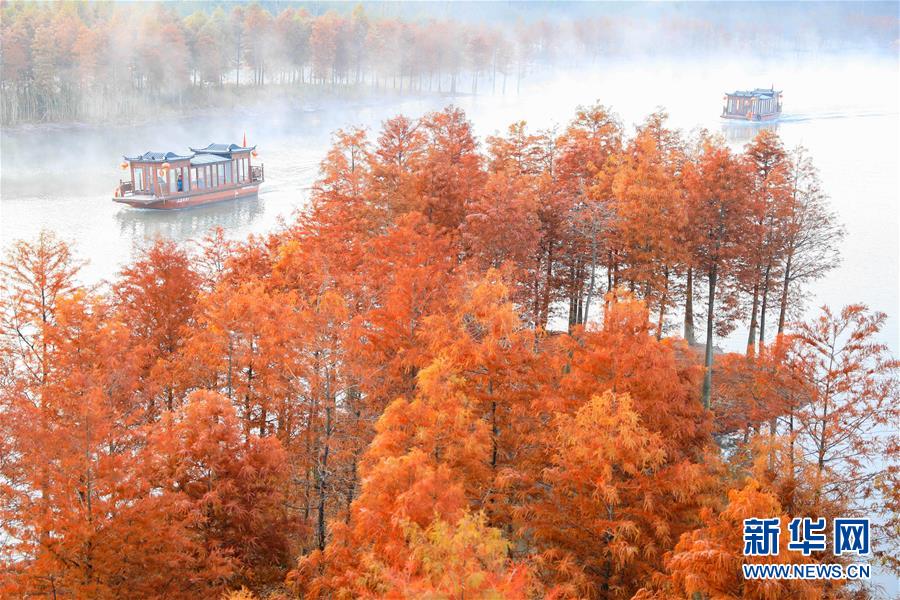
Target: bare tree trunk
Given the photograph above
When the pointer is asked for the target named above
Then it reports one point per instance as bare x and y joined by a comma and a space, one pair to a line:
323, 466
662, 305
689, 308
784, 295
762, 314
710, 321
751, 338
590, 292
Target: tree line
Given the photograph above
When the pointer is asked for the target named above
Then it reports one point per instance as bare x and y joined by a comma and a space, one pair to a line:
61, 59
65, 61
466, 369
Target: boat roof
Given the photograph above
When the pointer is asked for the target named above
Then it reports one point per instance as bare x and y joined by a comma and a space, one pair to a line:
755, 93
212, 153
156, 157
222, 149
208, 159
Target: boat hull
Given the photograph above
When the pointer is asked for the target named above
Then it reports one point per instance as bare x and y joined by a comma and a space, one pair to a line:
177, 201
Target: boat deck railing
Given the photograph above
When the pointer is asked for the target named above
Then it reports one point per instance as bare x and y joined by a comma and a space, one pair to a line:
126, 188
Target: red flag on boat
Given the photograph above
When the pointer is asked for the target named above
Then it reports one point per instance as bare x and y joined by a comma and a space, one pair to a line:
244, 145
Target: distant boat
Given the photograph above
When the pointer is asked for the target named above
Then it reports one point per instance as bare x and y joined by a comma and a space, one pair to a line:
760, 104
166, 180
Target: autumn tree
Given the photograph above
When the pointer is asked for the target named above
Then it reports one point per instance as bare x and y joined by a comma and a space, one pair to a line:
451, 170
768, 166
468, 558
228, 488
598, 451
502, 225
257, 28
435, 456
854, 396
650, 214
67, 472
719, 215
629, 459
156, 297
707, 561
521, 167
328, 45
585, 151
36, 277
396, 163
812, 234
752, 392
410, 275
408, 479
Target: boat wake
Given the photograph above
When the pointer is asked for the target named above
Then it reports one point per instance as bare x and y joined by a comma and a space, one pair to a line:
838, 114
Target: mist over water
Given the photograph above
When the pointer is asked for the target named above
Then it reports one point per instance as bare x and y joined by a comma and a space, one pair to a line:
843, 109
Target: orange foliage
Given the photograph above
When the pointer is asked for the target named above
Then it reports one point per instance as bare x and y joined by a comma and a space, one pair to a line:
708, 560
629, 462
443, 378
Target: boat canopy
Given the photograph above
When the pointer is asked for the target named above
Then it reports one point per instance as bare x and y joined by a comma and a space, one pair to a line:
156, 157
208, 159
755, 93
213, 153
224, 149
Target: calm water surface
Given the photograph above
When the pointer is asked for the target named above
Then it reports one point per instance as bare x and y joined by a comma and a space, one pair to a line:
845, 111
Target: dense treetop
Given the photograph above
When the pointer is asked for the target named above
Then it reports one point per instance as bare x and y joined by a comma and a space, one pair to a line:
465, 369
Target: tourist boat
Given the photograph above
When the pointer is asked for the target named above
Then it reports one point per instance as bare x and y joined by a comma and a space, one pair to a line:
760, 104
166, 180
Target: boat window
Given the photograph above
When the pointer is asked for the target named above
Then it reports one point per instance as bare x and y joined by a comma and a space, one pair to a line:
227, 172
160, 180
138, 179
201, 178
220, 169
173, 181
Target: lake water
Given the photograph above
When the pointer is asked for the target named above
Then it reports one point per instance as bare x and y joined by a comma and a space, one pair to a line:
844, 110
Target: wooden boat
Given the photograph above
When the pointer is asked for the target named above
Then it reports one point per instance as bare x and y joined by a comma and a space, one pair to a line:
166, 180
760, 104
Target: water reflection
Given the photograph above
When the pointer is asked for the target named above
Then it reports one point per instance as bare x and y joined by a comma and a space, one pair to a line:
185, 223
742, 132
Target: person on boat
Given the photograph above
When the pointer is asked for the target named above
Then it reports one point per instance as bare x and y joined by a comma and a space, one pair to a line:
180, 184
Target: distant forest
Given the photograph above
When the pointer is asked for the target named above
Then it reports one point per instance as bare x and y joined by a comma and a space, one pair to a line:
67, 61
